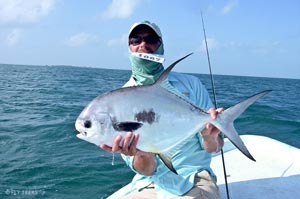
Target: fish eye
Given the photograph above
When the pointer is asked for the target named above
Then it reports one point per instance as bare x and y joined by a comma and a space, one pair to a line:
87, 124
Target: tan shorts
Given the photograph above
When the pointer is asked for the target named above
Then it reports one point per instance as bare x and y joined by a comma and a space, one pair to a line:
205, 188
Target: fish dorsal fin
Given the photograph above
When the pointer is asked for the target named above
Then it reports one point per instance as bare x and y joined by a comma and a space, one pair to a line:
165, 74
166, 85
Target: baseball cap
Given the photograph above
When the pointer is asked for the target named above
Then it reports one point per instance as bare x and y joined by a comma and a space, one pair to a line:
153, 26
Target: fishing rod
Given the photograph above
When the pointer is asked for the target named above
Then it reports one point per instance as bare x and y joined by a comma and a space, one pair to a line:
215, 103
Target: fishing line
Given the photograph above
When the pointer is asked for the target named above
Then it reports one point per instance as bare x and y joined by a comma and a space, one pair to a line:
215, 102
113, 159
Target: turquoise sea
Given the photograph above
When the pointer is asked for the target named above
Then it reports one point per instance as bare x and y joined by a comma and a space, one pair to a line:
41, 157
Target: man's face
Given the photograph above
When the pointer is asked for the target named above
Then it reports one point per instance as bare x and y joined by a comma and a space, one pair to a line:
144, 41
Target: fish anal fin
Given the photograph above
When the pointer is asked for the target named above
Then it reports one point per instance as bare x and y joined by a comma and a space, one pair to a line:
167, 160
127, 126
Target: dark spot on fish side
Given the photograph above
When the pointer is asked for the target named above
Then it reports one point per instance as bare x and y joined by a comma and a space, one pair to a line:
127, 126
87, 124
146, 116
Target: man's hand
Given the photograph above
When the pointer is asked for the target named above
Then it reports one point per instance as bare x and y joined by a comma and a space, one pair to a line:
212, 141
143, 162
127, 148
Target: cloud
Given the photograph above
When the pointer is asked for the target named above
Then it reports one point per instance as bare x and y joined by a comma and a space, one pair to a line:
258, 48
24, 12
230, 5
118, 42
13, 37
81, 39
120, 9
268, 48
235, 45
212, 44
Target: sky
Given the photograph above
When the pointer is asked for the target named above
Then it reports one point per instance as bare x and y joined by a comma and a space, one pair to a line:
245, 38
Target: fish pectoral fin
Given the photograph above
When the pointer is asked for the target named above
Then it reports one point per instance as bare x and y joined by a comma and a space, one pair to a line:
127, 126
167, 160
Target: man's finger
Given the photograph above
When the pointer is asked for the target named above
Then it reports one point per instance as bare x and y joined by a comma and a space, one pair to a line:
219, 110
213, 113
127, 140
116, 144
132, 148
106, 148
208, 125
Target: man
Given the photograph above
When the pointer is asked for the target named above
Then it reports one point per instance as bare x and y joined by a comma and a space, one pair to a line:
195, 178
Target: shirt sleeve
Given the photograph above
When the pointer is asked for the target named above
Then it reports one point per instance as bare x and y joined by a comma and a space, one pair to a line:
200, 96
168, 181
129, 161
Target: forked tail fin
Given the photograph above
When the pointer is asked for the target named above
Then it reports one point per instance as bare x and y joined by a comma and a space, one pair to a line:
225, 122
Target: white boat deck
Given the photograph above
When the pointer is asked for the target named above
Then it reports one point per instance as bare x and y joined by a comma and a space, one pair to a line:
275, 174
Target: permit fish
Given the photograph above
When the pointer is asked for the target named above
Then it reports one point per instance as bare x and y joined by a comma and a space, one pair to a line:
162, 116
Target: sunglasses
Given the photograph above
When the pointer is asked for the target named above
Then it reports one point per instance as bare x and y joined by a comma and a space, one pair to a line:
149, 39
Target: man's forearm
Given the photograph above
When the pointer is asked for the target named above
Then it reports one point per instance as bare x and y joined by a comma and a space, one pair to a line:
144, 163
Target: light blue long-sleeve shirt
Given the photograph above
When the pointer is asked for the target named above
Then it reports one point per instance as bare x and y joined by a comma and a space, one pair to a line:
190, 158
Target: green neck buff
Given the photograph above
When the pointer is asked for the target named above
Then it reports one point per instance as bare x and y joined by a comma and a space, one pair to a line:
144, 71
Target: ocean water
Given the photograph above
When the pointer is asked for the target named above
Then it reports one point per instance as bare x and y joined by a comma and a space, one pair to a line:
41, 157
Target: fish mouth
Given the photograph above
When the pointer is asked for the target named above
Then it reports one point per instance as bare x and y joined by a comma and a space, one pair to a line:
79, 127
83, 133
